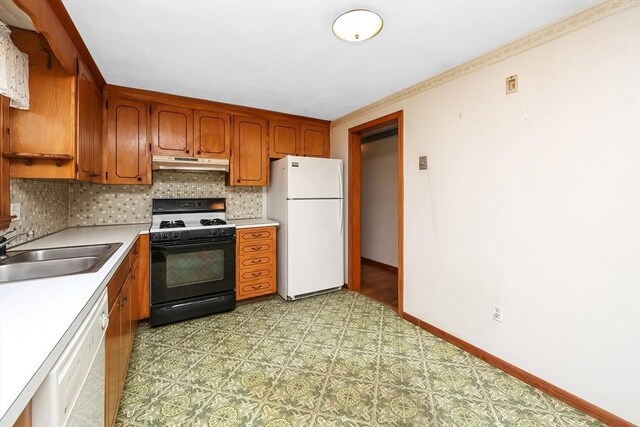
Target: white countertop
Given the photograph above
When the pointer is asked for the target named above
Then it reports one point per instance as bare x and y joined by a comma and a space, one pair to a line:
39, 317
254, 222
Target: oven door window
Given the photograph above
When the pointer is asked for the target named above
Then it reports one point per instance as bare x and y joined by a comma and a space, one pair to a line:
191, 270
188, 269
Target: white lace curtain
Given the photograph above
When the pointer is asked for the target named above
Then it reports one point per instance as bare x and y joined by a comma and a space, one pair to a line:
14, 71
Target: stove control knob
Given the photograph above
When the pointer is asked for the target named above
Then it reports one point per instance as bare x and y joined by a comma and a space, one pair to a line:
176, 235
225, 231
165, 236
214, 232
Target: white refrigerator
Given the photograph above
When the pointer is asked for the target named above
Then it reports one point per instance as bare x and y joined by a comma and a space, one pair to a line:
305, 197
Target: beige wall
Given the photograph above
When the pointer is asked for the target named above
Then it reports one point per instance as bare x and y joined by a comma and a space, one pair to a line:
379, 207
532, 201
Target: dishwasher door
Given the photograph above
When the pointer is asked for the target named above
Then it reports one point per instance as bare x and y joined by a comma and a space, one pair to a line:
72, 394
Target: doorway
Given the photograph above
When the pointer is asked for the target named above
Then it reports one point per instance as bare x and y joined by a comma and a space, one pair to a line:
375, 277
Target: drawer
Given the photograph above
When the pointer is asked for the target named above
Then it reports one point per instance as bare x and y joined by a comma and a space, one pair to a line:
135, 250
255, 247
256, 288
256, 234
256, 273
254, 260
118, 279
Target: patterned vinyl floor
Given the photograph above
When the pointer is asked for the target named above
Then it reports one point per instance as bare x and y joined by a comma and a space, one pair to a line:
333, 360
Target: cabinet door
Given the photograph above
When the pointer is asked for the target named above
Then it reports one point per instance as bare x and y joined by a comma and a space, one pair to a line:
84, 124
97, 168
171, 130
315, 140
112, 365
5, 212
125, 327
127, 153
212, 132
250, 160
284, 138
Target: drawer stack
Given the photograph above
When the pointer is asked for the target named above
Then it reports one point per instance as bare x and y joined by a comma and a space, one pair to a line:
256, 262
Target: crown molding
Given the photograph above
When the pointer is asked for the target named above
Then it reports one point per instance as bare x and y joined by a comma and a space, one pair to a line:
538, 38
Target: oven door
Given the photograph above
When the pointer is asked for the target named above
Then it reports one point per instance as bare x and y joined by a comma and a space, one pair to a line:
180, 271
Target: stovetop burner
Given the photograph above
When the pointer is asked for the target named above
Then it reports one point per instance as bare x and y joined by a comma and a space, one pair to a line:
172, 224
215, 221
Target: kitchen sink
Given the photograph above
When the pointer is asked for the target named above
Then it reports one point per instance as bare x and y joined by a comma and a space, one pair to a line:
42, 263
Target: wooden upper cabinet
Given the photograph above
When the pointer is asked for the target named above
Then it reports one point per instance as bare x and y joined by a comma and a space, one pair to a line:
5, 212
212, 134
284, 138
315, 140
249, 156
88, 127
127, 154
171, 130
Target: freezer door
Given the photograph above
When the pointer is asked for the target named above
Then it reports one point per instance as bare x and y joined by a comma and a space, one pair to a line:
315, 246
314, 178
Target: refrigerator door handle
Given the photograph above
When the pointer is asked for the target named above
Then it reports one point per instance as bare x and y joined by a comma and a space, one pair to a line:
341, 217
340, 179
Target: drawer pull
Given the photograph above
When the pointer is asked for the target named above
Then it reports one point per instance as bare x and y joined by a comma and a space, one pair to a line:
256, 235
256, 287
256, 274
256, 248
256, 261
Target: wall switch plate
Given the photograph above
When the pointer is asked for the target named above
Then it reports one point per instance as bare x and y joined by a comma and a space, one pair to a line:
498, 314
15, 210
422, 163
512, 84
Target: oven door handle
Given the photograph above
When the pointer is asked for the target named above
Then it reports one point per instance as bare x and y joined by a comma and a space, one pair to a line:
189, 245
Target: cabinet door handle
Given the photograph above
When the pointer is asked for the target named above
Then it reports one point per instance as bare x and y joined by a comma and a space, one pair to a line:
139, 178
199, 152
238, 180
186, 151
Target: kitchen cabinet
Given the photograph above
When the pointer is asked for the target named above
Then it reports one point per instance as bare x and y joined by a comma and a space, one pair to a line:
120, 332
142, 277
43, 138
315, 140
127, 150
256, 262
171, 130
249, 154
212, 133
5, 206
89, 127
284, 138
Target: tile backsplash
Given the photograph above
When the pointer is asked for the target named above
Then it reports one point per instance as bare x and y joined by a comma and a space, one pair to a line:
44, 206
95, 204
50, 206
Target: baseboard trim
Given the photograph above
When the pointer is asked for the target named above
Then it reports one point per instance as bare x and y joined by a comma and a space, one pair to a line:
379, 264
542, 385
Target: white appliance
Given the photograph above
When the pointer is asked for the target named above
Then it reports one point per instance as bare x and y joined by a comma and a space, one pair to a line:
305, 197
73, 392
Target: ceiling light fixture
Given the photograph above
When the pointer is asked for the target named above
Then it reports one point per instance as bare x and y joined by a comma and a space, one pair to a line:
357, 25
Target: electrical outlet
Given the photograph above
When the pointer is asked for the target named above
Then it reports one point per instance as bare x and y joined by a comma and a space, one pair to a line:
15, 210
512, 84
422, 163
498, 314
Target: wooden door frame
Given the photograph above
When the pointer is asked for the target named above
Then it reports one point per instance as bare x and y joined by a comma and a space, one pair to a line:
355, 187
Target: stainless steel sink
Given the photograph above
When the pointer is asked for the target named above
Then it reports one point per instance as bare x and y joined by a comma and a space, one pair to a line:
42, 263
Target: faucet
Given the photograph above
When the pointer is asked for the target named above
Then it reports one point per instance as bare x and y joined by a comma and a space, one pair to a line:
4, 241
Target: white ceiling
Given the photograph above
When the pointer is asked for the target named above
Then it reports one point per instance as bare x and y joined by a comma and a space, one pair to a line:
282, 55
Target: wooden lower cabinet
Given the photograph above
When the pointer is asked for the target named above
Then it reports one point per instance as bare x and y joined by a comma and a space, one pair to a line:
123, 291
256, 262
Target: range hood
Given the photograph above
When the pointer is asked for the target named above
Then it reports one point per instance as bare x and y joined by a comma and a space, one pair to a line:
193, 164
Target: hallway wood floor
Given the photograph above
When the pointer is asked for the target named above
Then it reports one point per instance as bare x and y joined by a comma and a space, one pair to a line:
380, 284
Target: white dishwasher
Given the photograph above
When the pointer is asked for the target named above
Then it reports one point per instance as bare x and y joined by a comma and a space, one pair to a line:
72, 394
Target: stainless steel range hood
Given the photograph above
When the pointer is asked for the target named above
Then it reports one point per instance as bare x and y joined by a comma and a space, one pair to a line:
192, 164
